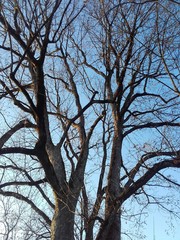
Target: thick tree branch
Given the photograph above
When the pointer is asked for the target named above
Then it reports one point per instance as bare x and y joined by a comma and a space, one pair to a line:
105, 226
21, 170
23, 183
22, 124
75, 118
28, 201
149, 125
151, 172
131, 174
13, 150
17, 102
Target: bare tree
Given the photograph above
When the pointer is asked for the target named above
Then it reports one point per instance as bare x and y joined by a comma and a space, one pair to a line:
89, 110
18, 221
9, 220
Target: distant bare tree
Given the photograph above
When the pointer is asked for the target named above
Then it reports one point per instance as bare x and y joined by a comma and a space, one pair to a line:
18, 222
89, 95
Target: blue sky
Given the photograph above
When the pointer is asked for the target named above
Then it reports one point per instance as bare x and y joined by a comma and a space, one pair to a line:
165, 228
158, 225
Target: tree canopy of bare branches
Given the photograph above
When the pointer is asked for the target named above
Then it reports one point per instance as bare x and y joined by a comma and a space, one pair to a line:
89, 99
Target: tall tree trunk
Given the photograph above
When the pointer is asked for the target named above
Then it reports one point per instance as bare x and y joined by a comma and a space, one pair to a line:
115, 229
111, 227
113, 188
62, 226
